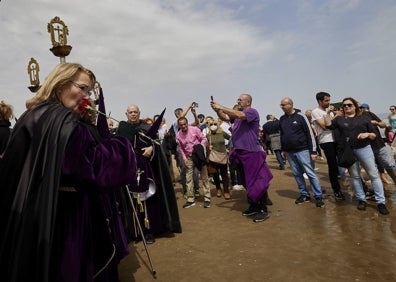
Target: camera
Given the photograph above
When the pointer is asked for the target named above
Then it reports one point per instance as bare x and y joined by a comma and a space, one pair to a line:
194, 105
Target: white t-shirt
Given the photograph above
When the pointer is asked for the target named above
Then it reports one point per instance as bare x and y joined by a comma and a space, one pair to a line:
324, 135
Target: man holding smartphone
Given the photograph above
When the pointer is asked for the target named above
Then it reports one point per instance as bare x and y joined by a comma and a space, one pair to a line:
248, 152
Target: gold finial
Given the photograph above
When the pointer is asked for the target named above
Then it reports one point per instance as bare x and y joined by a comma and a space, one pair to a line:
59, 32
33, 71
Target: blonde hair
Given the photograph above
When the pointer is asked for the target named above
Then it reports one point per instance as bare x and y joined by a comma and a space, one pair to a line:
56, 81
219, 129
6, 111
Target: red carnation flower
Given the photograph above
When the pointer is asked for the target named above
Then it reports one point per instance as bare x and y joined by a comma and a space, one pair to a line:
85, 107
87, 111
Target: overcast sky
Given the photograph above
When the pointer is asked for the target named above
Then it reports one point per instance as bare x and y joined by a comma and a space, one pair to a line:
159, 54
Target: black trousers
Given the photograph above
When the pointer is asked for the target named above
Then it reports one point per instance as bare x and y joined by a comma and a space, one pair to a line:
330, 150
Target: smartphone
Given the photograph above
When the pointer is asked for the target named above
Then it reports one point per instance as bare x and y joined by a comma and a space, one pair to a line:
211, 98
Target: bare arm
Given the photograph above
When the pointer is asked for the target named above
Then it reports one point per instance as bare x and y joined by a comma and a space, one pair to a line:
196, 121
225, 113
321, 123
329, 117
185, 111
378, 123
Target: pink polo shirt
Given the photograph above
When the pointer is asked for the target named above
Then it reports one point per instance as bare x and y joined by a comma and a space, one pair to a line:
187, 140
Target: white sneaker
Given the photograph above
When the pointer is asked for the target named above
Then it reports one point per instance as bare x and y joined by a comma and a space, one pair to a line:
305, 175
238, 187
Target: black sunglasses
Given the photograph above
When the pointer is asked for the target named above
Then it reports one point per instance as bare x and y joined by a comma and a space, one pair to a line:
347, 105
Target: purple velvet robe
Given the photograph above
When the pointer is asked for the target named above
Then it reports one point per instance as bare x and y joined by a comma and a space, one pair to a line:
257, 173
87, 243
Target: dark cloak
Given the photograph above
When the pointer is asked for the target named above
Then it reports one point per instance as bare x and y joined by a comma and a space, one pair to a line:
162, 207
5, 133
31, 163
32, 210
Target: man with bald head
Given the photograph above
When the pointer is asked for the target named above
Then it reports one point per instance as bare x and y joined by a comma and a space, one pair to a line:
153, 190
298, 145
248, 152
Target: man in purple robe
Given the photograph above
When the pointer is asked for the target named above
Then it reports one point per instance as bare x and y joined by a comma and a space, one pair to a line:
248, 152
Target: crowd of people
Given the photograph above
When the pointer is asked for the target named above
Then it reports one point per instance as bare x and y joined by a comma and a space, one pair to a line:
76, 188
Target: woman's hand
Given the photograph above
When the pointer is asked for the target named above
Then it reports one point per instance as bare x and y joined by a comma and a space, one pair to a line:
366, 135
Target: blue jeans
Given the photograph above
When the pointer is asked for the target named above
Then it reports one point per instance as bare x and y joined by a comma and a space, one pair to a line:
366, 158
301, 162
279, 158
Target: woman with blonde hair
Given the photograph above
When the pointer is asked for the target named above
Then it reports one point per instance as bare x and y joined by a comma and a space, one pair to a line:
58, 178
216, 140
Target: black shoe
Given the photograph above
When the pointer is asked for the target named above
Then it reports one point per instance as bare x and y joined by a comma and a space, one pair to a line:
261, 216
268, 202
188, 205
303, 199
319, 202
382, 209
206, 204
361, 205
149, 238
339, 196
250, 211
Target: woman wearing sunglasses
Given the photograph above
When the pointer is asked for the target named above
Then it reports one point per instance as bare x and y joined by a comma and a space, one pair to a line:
358, 131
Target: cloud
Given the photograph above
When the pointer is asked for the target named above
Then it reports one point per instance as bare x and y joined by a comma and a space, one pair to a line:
169, 53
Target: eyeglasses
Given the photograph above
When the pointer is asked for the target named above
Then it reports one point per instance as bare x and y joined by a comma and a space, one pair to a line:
213, 124
347, 105
283, 105
84, 88
391, 109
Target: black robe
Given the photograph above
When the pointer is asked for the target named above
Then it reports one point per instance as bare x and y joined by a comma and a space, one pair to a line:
32, 164
162, 207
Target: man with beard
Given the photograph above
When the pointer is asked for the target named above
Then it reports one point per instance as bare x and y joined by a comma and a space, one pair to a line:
327, 142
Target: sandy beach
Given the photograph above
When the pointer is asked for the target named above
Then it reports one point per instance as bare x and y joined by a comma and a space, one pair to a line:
297, 243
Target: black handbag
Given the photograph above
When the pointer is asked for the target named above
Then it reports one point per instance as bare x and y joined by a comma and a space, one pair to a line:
345, 156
